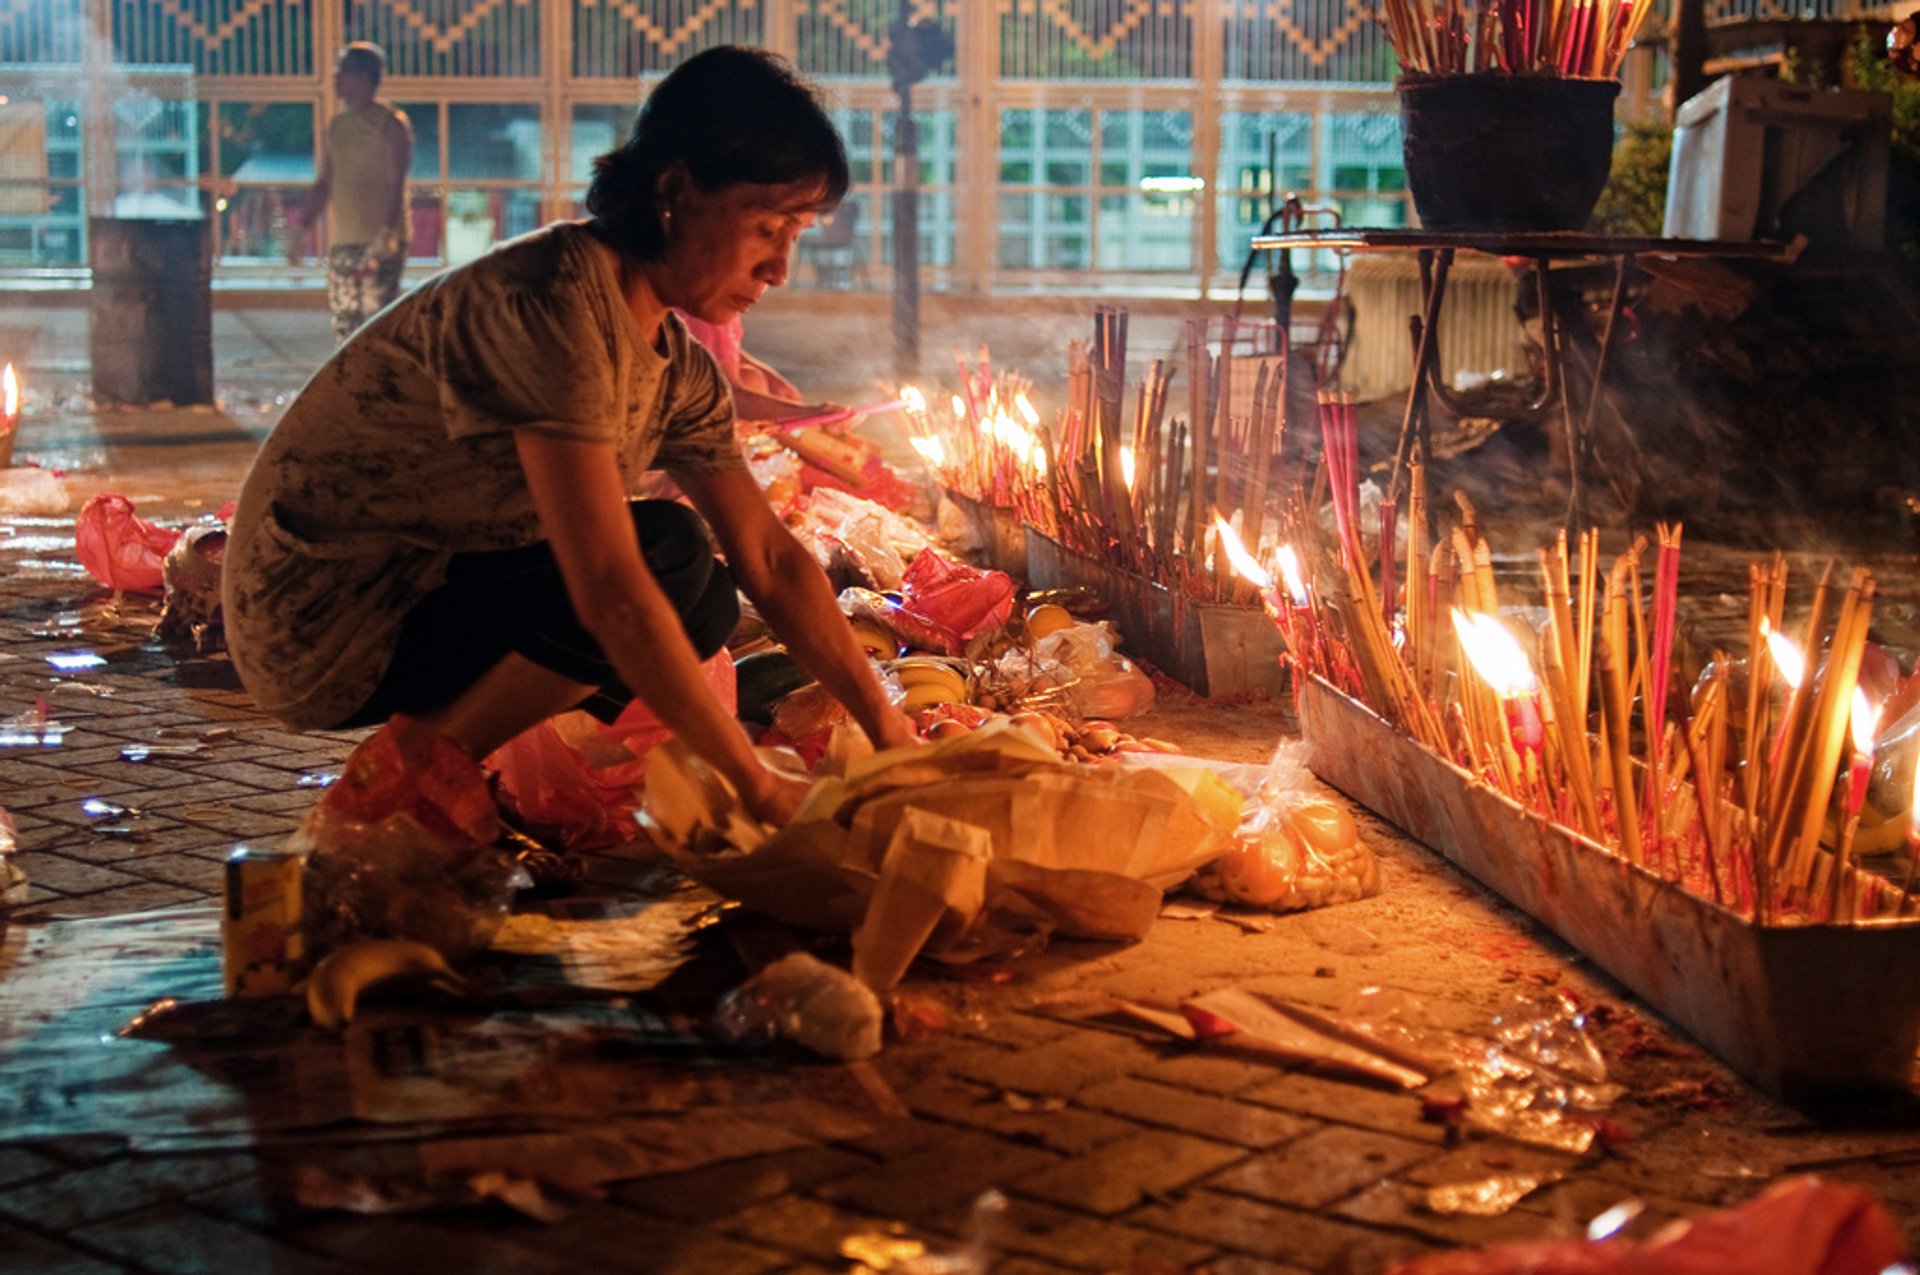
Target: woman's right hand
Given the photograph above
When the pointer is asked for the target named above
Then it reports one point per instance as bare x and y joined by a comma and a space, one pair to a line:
774, 795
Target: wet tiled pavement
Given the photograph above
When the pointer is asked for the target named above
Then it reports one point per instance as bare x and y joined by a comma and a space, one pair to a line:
1114, 1151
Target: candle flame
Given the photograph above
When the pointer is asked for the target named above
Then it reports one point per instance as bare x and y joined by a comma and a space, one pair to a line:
1025, 407
9, 393
930, 450
1493, 652
1126, 467
915, 401
1866, 722
1242, 562
1786, 656
1296, 580
1039, 460
959, 408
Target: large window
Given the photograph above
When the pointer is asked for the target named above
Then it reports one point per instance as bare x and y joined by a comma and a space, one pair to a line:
1097, 189
262, 166
476, 175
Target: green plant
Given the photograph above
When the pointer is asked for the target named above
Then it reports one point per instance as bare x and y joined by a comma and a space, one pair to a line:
1634, 201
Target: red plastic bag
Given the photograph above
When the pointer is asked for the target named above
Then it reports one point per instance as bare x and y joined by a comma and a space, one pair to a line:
1803, 1226
407, 767
120, 549
578, 779
952, 600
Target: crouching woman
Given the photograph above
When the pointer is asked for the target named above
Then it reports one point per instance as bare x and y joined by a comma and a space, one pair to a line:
440, 526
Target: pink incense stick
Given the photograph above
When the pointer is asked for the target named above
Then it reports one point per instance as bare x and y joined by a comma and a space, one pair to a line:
832, 418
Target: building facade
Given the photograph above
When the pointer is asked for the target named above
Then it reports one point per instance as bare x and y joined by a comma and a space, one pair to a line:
1065, 143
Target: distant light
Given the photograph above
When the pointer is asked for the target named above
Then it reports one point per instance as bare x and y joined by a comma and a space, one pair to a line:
74, 661
1173, 185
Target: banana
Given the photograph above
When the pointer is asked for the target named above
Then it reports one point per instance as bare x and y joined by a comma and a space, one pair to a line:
919, 697
334, 987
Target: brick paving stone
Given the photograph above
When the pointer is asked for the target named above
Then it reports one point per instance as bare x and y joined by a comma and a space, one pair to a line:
1204, 1114
1212, 1073
70, 876
1485, 1157
416, 1246
1123, 1173
954, 1168
1321, 1167
170, 1240
1261, 1231
183, 870
1402, 1207
1063, 1067
1340, 1103
1018, 1030
25, 1253
612, 1239
118, 1186
134, 898
1241, 1264
1069, 1130
1031, 1266
808, 1228
21, 1164
291, 804
1074, 1239
717, 1191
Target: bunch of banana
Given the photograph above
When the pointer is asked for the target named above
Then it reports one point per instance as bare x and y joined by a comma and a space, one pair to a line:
930, 680
334, 987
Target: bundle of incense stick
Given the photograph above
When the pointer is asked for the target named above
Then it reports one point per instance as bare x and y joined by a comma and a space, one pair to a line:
1136, 494
1661, 783
1513, 37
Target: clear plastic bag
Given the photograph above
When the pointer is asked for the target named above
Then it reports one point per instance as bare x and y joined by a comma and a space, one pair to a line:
403, 846
1080, 664
803, 999
1294, 849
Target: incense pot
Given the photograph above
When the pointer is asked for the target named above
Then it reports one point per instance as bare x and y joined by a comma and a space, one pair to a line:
1506, 153
1802, 1010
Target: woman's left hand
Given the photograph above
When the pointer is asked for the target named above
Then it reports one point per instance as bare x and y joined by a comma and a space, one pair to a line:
894, 730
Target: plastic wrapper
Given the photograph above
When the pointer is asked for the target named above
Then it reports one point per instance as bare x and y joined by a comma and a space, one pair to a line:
802, 999
27, 491
874, 542
578, 779
953, 600
1802, 1226
1540, 1079
191, 574
1295, 850
119, 548
402, 846
1078, 664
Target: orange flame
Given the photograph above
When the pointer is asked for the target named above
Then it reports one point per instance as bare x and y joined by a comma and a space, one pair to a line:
1242, 562
1126, 467
1289, 563
915, 401
1494, 653
1866, 723
9, 394
930, 450
1786, 656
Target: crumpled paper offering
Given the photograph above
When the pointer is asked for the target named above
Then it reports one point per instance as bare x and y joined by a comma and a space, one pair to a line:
979, 845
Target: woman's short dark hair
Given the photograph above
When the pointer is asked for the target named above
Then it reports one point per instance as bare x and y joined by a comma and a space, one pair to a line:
727, 115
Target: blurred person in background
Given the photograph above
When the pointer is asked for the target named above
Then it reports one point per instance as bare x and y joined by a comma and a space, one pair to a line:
362, 189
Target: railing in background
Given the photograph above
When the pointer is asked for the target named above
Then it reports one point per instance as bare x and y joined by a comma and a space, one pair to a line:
1065, 140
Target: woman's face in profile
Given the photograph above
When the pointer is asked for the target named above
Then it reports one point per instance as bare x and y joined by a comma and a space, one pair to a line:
726, 247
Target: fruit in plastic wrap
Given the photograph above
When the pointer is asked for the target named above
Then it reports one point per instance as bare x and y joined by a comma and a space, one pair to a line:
1308, 856
800, 998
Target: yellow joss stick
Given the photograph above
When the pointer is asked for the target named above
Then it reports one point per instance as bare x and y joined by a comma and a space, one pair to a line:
1580, 681
1789, 758
1832, 715
1613, 705
1573, 740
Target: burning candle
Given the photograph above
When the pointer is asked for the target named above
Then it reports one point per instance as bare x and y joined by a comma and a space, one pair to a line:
1913, 840
1864, 723
1792, 667
1503, 666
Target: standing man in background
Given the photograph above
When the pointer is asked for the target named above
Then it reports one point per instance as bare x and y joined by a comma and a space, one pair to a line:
362, 187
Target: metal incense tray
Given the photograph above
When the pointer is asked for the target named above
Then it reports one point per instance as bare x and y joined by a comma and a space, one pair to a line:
1804, 1011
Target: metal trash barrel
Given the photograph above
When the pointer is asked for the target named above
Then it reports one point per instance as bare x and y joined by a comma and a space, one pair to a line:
151, 310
